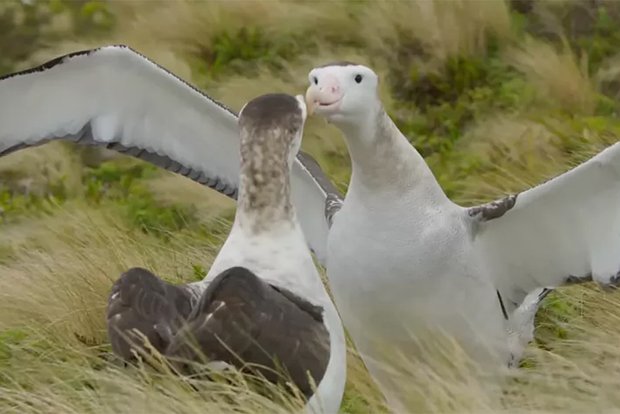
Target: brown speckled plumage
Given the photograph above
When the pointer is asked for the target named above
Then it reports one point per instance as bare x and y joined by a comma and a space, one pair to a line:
269, 125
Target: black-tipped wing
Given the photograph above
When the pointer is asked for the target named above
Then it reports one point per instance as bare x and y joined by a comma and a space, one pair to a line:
116, 98
245, 322
141, 301
564, 230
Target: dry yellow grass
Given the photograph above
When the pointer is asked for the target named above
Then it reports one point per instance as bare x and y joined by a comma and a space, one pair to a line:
170, 188
518, 153
56, 270
31, 171
444, 28
558, 75
54, 288
197, 24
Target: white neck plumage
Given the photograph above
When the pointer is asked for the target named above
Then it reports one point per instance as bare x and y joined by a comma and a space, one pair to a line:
383, 161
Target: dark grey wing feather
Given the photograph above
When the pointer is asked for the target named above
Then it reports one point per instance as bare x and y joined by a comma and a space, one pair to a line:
333, 204
85, 137
333, 197
141, 301
245, 322
313, 310
114, 97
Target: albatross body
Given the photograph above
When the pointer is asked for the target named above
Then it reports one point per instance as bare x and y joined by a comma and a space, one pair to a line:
262, 302
405, 262
263, 297
267, 239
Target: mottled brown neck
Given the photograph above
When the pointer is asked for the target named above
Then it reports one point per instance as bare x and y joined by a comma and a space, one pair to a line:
264, 193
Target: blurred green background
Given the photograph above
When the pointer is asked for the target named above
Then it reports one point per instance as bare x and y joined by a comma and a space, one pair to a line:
497, 96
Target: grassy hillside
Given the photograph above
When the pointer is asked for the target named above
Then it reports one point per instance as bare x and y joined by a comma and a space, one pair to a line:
497, 95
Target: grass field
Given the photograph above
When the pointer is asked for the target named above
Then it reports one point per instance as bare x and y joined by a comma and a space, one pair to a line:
497, 95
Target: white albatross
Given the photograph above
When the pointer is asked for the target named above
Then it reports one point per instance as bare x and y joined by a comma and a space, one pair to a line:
403, 259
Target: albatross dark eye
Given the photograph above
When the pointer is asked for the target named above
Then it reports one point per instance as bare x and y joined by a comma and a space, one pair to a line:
315, 80
358, 78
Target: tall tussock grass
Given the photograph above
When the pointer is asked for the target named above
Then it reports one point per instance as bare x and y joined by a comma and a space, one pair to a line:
54, 352
497, 95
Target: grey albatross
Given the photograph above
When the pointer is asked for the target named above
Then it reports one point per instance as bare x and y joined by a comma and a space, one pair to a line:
404, 260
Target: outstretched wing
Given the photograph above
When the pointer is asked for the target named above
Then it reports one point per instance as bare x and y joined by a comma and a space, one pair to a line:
563, 231
116, 98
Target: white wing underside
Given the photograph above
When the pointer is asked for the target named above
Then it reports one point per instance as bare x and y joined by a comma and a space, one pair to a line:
116, 98
565, 230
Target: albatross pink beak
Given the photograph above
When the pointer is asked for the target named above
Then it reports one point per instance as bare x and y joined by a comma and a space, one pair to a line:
327, 95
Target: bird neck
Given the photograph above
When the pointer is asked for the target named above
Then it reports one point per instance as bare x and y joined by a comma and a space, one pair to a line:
264, 202
383, 160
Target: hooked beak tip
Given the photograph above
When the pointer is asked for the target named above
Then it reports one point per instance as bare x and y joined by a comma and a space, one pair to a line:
303, 103
311, 102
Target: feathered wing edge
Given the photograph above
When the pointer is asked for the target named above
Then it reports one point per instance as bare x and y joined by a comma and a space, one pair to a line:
564, 231
114, 116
